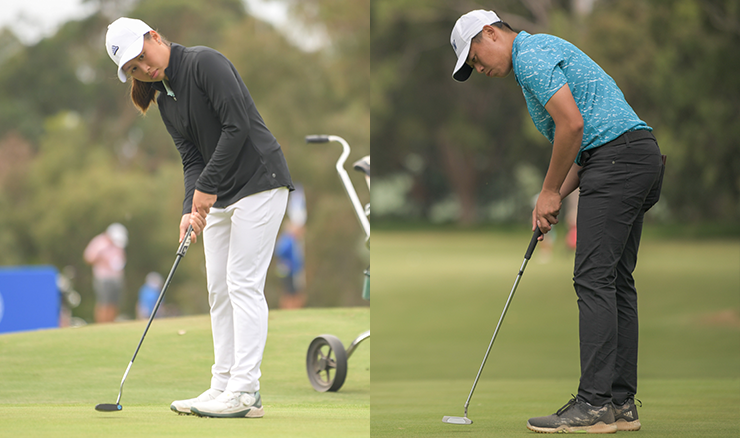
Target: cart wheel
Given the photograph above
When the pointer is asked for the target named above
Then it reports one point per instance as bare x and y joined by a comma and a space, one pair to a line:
326, 363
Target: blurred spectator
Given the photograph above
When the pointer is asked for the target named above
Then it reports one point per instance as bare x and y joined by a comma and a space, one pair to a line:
571, 204
290, 254
290, 264
148, 295
106, 254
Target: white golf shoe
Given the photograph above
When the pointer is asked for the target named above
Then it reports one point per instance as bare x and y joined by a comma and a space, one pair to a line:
183, 406
231, 405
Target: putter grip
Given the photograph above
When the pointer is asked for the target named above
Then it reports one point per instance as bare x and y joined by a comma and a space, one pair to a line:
185, 244
317, 139
533, 243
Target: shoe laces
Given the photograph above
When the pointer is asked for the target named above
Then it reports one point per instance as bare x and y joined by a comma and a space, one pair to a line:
567, 406
208, 395
635, 401
227, 397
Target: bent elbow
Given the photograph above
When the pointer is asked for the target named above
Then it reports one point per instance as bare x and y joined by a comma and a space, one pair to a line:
576, 126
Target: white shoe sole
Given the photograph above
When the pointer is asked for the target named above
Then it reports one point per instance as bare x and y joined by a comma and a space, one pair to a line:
181, 411
252, 412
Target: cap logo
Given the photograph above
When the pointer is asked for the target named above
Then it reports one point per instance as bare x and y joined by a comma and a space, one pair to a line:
454, 46
114, 49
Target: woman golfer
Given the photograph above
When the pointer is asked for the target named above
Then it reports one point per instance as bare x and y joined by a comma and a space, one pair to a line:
236, 192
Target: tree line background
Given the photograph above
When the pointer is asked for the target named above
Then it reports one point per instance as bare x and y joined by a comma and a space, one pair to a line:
75, 155
469, 153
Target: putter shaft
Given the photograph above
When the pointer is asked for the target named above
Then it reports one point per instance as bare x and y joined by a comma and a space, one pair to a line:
120, 390
527, 256
182, 250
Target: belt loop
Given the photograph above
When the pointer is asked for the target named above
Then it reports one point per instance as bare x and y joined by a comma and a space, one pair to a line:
627, 138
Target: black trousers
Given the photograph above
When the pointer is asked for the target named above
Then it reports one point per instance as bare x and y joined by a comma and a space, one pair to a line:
619, 182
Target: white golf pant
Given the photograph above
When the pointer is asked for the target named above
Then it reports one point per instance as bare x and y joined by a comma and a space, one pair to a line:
239, 241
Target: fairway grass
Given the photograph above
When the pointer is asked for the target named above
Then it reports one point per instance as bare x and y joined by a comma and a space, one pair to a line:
51, 380
501, 408
437, 296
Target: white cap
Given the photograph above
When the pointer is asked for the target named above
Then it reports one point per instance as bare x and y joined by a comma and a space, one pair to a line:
118, 234
124, 41
466, 27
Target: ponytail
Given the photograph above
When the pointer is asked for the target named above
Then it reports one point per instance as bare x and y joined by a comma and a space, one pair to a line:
142, 94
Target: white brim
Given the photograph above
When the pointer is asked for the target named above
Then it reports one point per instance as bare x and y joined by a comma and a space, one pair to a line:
131, 52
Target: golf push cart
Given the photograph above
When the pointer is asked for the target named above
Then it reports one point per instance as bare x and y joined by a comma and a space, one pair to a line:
326, 360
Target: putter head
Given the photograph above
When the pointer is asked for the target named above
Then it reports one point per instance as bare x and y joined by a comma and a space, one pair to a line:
108, 407
456, 420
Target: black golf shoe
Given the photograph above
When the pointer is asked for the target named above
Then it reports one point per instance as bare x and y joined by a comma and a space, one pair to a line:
626, 415
576, 416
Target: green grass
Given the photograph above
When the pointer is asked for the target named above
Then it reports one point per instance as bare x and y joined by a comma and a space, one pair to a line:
50, 381
437, 296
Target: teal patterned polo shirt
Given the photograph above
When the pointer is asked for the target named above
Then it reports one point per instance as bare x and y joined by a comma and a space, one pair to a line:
543, 63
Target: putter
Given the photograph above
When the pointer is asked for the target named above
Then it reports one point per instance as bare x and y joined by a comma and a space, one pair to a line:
114, 407
464, 419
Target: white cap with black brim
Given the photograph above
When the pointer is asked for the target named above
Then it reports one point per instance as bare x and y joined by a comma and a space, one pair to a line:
466, 27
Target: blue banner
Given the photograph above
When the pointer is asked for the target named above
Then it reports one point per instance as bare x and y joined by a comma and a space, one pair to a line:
29, 298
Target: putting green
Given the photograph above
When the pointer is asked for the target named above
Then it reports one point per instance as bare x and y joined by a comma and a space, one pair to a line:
500, 408
437, 296
52, 380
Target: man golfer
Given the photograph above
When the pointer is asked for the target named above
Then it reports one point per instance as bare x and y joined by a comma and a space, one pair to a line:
601, 146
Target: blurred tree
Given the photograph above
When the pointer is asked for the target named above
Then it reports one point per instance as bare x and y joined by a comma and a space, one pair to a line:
464, 138
76, 156
191, 22
471, 149
680, 77
348, 27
